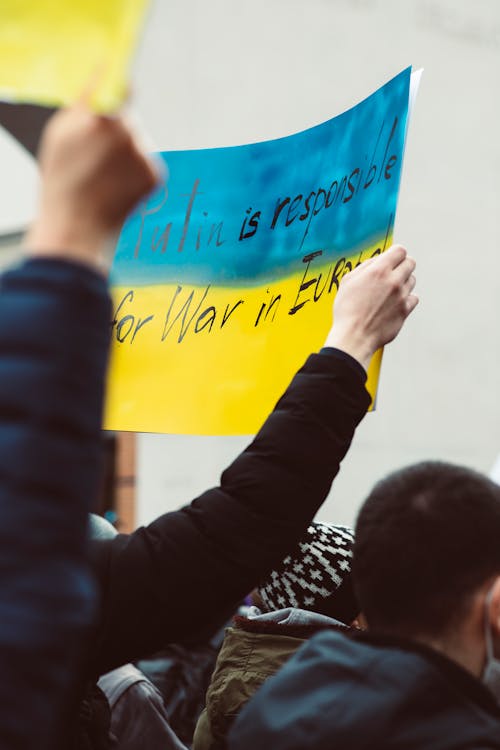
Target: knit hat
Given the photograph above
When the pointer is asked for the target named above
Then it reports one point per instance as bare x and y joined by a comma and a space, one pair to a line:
315, 575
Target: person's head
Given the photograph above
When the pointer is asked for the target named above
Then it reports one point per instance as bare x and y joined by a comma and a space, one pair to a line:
427, 551
315, 575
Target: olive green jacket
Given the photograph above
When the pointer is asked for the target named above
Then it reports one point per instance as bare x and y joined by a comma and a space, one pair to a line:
252, 651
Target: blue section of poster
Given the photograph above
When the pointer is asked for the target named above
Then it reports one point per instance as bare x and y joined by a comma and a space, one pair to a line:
239, 216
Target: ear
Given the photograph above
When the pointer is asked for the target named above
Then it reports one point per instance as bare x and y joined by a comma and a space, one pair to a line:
493, 606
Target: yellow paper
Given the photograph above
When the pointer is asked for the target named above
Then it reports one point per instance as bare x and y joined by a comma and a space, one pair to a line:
216, 371
52, 50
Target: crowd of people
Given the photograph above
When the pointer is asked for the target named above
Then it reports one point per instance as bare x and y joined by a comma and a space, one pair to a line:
385, 636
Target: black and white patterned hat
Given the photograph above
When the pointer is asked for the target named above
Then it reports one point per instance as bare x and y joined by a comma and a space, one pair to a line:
316, 575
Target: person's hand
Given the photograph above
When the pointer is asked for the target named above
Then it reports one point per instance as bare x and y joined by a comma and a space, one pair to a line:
92, 173
372, 303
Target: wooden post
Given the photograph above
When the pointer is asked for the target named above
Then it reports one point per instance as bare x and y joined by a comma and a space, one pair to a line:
125, 481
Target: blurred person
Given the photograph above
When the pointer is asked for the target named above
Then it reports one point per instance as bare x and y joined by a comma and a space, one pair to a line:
310, 591
54, 337
426, 675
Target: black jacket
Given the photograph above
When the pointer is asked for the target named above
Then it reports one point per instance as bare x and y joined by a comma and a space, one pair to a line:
367, 692
206, 557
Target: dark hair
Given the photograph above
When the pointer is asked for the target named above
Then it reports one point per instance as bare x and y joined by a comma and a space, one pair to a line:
426, 539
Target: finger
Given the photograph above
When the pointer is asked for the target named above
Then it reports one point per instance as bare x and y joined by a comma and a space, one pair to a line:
409, 285
361, 266
411, 302
402, 273
153, 174
161, 167
392, 257
153, 166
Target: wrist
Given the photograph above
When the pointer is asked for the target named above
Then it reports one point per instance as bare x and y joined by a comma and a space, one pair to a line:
358, 347
68, 241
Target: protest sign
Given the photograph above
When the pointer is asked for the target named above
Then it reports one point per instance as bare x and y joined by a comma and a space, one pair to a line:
224, 279
53, 50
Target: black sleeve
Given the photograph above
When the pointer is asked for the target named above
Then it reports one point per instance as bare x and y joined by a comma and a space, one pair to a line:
183, 573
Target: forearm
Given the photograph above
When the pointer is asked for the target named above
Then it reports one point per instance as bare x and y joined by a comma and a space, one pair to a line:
287, 471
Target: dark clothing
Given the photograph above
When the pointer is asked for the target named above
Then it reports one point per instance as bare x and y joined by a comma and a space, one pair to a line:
367, 692
138, 716
182, 673
206, 557
53, 351
93, 728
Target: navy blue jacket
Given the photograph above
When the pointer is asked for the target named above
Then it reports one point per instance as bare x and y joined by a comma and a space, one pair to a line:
368, 693
53, 349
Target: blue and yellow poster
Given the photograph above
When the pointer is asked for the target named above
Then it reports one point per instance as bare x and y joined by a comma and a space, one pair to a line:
224, 280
